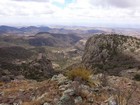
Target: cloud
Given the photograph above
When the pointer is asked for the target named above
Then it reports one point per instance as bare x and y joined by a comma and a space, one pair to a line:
75, 12
51, 1
31, 0
117, 3
10, 8
58, 1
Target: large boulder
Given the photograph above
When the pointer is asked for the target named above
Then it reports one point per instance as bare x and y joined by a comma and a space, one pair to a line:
111, 53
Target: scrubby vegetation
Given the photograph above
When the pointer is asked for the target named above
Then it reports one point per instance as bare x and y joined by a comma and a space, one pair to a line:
14, 52
79, 73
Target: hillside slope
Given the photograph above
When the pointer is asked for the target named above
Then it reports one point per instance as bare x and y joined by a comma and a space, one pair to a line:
15, 61
50, 39
41, 39
112, 53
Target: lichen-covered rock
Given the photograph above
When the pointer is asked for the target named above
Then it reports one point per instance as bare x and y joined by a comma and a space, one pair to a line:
61, 79
78, 100
69, 92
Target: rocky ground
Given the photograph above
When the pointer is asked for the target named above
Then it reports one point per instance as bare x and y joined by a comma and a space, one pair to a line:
59, 90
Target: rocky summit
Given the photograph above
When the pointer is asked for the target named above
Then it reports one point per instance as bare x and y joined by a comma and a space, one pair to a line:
112, 53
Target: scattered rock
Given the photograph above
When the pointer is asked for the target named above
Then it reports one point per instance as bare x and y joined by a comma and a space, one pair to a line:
61, 79
46, 103
78, 100
112, 101
66, 100
69, 92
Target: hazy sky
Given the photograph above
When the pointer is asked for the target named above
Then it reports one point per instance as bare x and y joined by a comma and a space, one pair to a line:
70, 12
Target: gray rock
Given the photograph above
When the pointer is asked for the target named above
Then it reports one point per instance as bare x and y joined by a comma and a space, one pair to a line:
5, 79
84, 87
61, 79
66, 100
46, 103
112, 101
20, 77
90, 100
70, 92
54, 78
64, 87
15, 104
78, 100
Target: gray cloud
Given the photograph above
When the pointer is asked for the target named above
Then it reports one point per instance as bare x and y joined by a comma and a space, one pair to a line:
117, 3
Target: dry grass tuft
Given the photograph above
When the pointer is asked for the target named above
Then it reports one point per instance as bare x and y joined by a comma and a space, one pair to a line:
79, 72
1, 83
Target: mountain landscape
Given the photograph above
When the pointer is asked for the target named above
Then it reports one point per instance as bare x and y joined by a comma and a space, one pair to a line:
69, 52
69, 66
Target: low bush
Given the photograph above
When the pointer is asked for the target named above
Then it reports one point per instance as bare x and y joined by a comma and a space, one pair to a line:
79, 72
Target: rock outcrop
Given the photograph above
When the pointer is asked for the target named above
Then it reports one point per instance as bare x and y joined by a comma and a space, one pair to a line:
111, 53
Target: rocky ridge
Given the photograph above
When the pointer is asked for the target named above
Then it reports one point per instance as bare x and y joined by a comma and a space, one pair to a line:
112, 53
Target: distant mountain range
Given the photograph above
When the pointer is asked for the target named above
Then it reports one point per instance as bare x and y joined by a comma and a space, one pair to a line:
32, 30
84, 32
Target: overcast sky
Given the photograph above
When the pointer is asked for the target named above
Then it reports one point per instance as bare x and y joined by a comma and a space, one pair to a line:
123, 13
